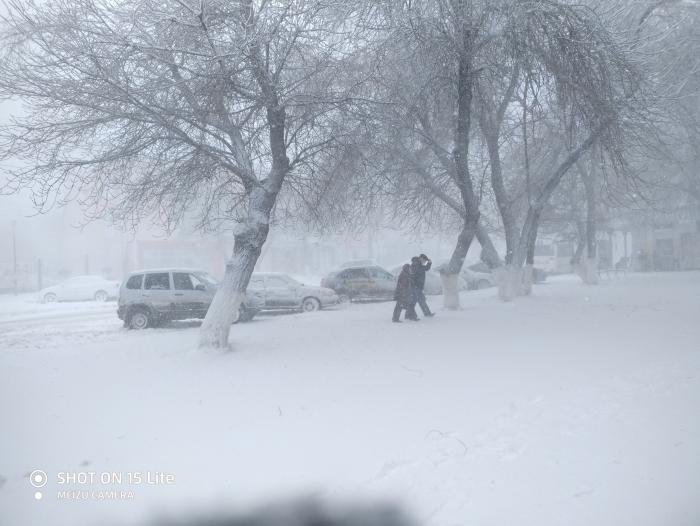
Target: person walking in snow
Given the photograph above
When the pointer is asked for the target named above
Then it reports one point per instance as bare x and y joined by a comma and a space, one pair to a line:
405, 296
419, 266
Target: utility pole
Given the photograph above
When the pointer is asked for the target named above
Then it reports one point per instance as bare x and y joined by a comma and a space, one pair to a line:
14, 254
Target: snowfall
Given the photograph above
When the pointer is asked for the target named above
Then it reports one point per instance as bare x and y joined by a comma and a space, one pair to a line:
579, 405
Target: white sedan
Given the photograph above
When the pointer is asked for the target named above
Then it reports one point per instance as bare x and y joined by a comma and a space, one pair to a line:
81, 288
280, 291
478, 280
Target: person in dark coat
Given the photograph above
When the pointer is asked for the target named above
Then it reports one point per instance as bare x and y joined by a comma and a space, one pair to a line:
419, 266
405, 296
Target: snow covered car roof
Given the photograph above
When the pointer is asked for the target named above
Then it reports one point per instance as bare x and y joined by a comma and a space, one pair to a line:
167, 269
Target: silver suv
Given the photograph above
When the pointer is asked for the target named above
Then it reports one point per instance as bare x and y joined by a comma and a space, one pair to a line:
148, 298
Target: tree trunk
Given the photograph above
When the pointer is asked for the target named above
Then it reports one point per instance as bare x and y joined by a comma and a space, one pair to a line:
505, 205
450, 272
450, 291
509, 279
248, 243
529, 270
589, 269
525, 255
461, 174
580, 243
489, 254
251, 235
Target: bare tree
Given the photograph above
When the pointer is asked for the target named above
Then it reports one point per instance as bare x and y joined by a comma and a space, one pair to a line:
421, 100
569, 82
145, 109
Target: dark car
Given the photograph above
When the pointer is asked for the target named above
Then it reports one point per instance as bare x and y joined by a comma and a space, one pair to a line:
364, 283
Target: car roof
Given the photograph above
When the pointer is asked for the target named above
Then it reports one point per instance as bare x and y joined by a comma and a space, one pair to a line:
357, 263
361, 267
168, 269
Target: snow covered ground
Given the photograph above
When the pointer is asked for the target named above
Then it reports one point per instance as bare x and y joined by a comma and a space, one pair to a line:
577, 406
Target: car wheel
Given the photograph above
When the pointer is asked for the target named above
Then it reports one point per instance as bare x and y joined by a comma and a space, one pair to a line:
50, 297
139, 319
343, 298
101, 296
310, 305
246, 314
482, 284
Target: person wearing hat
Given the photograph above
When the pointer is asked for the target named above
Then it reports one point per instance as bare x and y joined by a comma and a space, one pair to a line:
405, 296
419, 266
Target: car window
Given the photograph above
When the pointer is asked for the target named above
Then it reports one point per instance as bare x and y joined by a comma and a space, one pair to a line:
204, 278
135, 282
256, 282
276, 282
182, 281
160, 281
355, 273
197, 280
377, 273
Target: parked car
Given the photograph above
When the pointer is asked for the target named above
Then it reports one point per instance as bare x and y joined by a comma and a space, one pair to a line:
281, 291
433, 283
538, 274
148, 298
357, 263
473, 280
478, 280
81, 288
480, 266
361, 283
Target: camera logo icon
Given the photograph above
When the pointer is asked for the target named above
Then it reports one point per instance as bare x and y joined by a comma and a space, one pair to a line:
38, 478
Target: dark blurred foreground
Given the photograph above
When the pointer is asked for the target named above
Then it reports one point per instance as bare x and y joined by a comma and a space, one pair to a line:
306, 513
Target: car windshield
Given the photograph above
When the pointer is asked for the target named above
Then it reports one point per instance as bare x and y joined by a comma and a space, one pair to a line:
206, 278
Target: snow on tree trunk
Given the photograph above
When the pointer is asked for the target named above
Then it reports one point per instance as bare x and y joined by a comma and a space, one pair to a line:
528, 269
592, 271
214, 332
248, 243
527, 279
587, 270
450, 271
450, 291
509, 279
